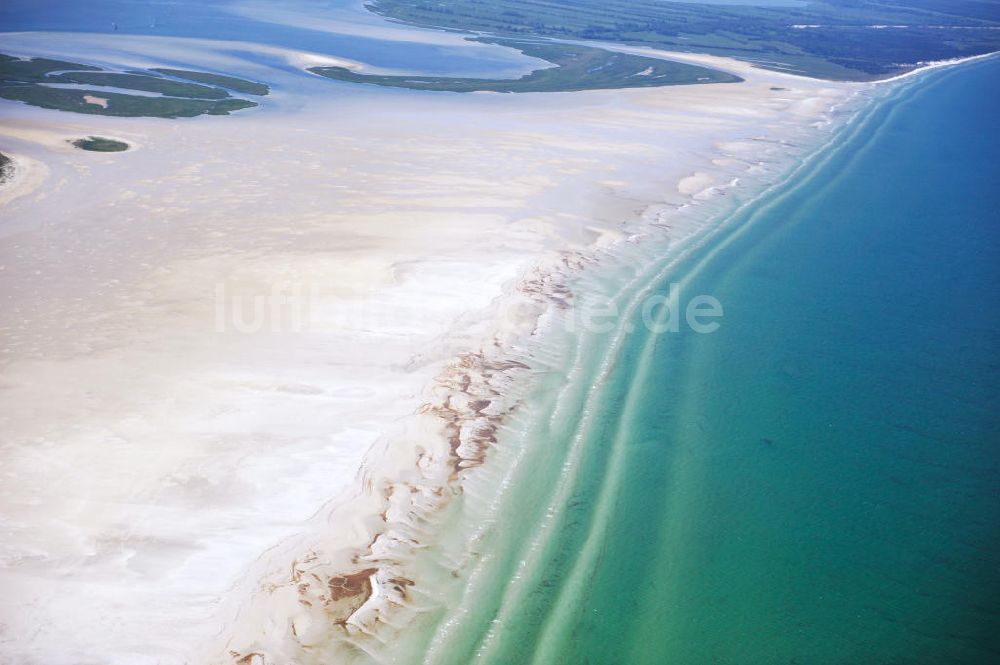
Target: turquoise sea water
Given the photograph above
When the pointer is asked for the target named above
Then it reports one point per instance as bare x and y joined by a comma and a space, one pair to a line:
815, 482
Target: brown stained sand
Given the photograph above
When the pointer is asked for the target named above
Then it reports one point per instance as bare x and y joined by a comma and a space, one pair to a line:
475, 384
355, 588
472, 405
470, 414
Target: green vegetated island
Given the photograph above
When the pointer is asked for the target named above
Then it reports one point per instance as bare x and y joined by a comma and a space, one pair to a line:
574, 67
833, 39
100, 144
174, 93
6, 168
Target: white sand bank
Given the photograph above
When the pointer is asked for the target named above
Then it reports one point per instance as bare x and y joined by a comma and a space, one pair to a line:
202, 339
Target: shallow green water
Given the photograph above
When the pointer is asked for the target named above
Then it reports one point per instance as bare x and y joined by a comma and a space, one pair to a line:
815, 482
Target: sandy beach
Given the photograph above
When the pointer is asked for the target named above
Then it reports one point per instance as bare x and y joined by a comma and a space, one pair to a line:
246, 361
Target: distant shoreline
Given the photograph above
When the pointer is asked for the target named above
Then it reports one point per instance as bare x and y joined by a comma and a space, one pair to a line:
832, 42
